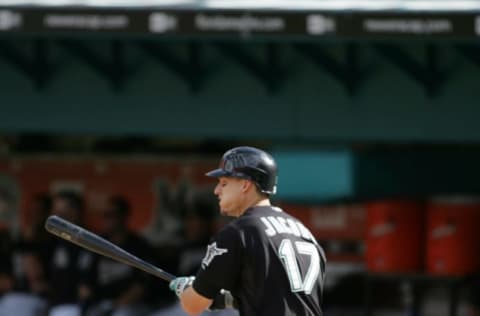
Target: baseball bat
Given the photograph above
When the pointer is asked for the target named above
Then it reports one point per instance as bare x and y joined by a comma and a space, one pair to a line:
91, 241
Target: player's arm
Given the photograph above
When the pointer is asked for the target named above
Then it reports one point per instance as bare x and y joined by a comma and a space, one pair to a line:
194, 303
219, 270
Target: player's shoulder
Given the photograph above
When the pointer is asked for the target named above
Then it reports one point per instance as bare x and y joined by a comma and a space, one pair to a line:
229, 230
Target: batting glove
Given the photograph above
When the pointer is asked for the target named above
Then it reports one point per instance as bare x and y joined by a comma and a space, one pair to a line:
178, 285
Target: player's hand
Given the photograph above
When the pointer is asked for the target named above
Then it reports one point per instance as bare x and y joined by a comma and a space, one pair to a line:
178, 285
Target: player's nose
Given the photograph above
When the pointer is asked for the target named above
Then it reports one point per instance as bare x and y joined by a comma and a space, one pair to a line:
216, 191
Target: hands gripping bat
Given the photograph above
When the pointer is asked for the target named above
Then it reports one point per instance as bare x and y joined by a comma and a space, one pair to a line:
90, 241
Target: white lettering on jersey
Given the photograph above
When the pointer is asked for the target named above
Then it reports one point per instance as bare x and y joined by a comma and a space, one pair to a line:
280, 225
270, 231
293, 227
276, 223
283, 222
212, 252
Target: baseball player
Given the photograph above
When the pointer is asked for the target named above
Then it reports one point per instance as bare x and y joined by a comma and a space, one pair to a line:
264, 262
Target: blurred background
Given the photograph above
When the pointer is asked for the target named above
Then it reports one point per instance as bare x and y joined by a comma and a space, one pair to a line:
112, 111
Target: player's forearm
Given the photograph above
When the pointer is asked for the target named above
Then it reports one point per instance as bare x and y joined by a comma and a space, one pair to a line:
193, 303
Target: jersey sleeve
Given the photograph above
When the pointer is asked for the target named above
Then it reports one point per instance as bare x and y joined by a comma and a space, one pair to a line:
221, 265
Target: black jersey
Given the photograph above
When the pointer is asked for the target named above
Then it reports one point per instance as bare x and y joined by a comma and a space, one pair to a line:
71, 267
269, 261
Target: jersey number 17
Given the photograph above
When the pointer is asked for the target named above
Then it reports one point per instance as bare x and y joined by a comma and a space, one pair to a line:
288, 254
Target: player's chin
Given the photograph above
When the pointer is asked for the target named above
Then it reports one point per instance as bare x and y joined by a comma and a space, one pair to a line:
223, 210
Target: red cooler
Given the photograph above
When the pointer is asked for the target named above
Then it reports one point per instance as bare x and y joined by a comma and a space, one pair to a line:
453, 241
395, 234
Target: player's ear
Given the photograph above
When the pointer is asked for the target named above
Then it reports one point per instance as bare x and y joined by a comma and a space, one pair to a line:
247, 184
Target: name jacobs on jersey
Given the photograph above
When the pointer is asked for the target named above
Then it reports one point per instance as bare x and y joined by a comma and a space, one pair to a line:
280, 225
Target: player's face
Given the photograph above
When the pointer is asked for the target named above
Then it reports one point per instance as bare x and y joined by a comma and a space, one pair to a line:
230, 193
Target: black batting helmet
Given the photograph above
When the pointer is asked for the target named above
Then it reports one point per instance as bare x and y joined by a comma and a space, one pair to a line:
249, 163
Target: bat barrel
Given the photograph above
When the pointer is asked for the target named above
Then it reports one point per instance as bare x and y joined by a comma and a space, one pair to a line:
93, 242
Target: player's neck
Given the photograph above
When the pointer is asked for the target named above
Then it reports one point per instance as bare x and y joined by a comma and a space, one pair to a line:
263, 201
255, 201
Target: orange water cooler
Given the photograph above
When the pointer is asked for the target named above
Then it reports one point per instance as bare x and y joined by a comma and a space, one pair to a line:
394, 236
453, 239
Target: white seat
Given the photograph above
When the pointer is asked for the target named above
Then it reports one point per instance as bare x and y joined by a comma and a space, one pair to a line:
65, 310
22, 304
